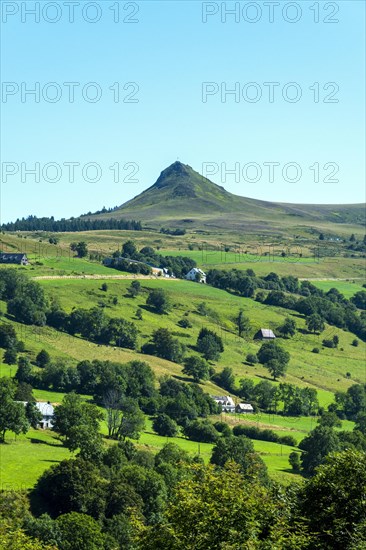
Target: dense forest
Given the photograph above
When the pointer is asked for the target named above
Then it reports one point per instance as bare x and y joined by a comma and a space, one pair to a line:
32, 223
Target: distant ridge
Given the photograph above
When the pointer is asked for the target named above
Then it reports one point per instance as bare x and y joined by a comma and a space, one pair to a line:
181, 197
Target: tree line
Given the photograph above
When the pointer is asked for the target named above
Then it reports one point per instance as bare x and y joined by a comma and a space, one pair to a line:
133, 499
32, 223
177, 265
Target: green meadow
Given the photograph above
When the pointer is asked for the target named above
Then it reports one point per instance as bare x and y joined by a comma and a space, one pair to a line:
24, 458
246, 251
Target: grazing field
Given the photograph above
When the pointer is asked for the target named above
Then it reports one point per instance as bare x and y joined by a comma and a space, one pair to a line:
305, 258
347, 288
24, 458
326, 371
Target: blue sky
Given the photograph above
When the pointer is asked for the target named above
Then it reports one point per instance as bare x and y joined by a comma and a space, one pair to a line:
169, 52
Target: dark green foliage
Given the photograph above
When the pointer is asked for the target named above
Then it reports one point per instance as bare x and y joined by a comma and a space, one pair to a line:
209, 344
150, 486
10, 356
222, 428
294, 460
32, 223
225, 379
8, 336
316, 446
328, 343
34, 416
121, 497
165, 426
129, 249
243, 324
79, 531
252, 358
185, 323
352, 402
196, 367
24, 392
276, 368
81, 249
147, 257
132, 422
25, 299
43, 359
131, 267
159, 300
359, 299
333, 502
263, 435
120, 333
329, 419
134, 289
240, 449
164, 345
202, 431
79, 422
73, 486
184, 402
43, 528
288, 328
315, 323
273, 351
12, 414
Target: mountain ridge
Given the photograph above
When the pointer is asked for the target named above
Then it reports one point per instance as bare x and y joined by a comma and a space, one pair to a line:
181, 193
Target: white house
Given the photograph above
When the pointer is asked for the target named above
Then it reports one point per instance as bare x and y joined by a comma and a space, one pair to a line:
47, 410
197, 275
244, 408
226, 402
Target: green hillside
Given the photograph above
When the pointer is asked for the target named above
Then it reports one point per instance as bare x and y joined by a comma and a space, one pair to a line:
181, 197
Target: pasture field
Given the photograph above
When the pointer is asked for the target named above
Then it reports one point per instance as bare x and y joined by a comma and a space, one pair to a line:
347, 288
307, 258
24, 458
326, 371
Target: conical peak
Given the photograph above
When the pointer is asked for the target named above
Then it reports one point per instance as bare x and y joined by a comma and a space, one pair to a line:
174, 172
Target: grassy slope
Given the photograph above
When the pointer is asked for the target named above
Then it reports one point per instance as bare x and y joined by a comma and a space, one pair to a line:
23, 460
264, 254
325, 371
182, 193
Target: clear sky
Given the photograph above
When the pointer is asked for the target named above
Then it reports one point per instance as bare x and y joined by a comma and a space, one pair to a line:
171, 62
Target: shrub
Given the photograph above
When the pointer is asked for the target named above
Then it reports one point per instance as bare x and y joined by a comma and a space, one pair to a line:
185, 323
252, 358
202, 431
328, 343
355, 342
288, 440
315, 350
222, 428
165, 426
294, 460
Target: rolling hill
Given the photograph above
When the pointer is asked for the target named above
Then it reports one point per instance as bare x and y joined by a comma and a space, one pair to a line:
182, 198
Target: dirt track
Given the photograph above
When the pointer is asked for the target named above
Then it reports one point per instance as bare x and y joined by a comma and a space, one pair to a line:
101, 277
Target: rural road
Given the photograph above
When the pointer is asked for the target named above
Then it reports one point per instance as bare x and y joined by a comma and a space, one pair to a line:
101, 277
